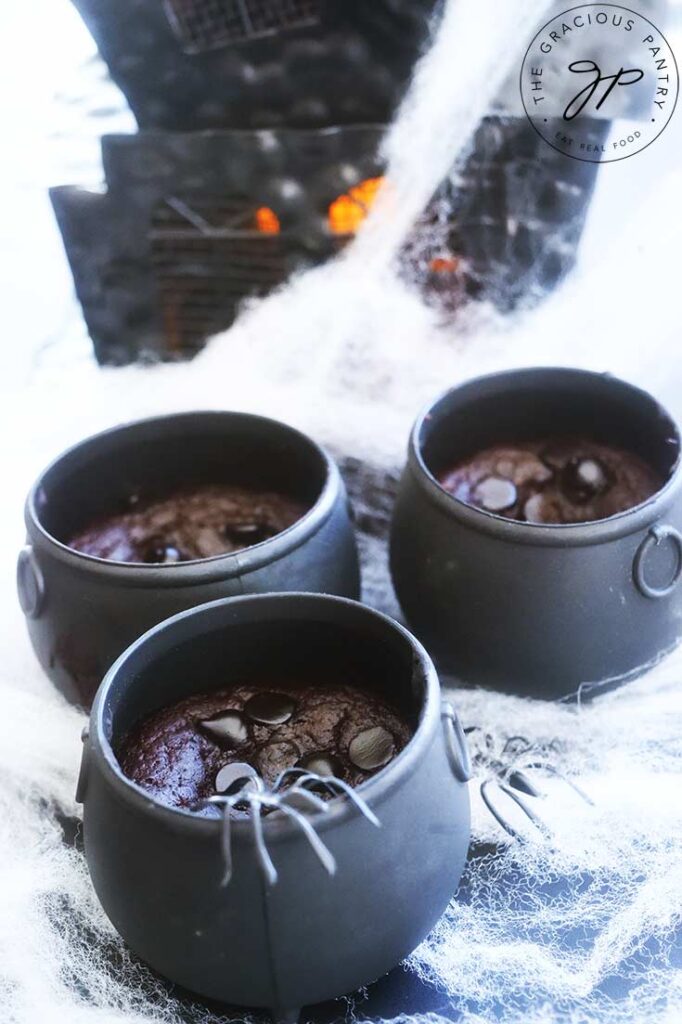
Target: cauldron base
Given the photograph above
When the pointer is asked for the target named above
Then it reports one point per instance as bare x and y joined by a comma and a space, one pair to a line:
280, 1016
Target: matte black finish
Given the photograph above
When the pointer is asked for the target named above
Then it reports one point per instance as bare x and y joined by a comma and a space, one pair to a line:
310, 936
349, 64
83, 611
540, 610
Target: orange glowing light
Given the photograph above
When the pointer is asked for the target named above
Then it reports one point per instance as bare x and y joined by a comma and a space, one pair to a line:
267, 221
444, 264
348, 211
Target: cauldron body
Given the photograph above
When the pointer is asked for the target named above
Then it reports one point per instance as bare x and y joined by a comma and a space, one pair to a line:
311, 936
82, 612
539, 610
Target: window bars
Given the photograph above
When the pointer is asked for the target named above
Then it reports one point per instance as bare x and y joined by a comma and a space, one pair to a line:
208, 254
208, 24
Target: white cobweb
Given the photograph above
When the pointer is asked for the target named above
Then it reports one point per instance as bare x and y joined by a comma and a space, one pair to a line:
582, 928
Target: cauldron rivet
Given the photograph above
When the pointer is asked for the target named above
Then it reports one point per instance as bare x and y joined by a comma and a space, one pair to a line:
321, 763
30, 583
372, 748
494, 494
270, 708
227, 728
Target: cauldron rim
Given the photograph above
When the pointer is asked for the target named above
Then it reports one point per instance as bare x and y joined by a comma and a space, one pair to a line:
277, 827
543, 534
223, 566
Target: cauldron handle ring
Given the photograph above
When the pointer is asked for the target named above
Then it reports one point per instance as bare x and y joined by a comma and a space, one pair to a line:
654, 537
30, 583
455, 743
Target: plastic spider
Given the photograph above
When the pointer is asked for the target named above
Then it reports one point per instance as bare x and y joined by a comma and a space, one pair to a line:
247, 787
507, 773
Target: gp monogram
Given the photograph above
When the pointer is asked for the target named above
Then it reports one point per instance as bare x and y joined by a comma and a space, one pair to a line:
599, 61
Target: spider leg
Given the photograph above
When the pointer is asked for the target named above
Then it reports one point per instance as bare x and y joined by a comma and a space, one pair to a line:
500, 818
256, 801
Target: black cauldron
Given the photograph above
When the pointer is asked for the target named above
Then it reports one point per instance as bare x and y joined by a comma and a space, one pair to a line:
83, 611
310, 936
539, 610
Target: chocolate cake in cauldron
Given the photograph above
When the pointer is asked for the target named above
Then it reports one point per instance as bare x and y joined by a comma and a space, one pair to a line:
184, 526
560, 480
182, 754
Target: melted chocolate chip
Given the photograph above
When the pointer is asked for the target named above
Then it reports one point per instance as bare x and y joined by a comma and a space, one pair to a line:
321, 763
233, 777
372, 748
582, 479
269, 708
494, 494
227, 728
533, 510
159, 553
543, 508
248, 533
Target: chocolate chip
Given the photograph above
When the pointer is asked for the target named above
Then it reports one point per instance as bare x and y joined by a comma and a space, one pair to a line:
372, 748
172, 554
270, 708
583, 479
245, 529
227, 728
494, 494
533, 510
159, 553
233, 777
248, 533
321, 763
544, 508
